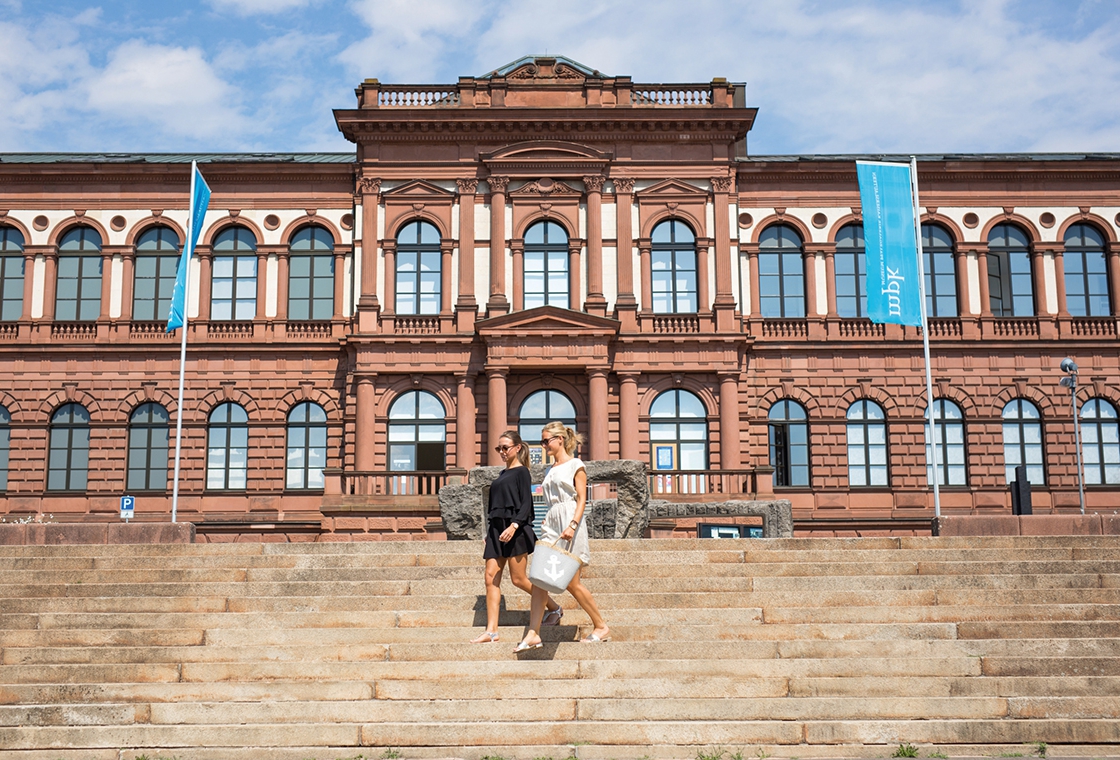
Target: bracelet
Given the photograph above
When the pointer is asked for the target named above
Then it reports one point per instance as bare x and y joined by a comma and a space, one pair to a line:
573, 525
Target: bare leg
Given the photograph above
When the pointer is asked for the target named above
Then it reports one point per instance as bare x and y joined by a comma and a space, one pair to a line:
587, 602
518, 575
493, 599
536, 612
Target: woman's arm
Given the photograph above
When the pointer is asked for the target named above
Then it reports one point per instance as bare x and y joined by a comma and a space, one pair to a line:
524, 497
579, 482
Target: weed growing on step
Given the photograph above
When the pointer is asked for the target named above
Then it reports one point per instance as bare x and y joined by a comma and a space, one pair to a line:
391, 754
1039, 749
761, 754
494, 757
1011, 754
939, 755
906, 750
716, 753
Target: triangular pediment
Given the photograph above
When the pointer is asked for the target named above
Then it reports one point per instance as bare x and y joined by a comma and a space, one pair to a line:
545, 67
671, 187
551, 320
547, 150
418, 189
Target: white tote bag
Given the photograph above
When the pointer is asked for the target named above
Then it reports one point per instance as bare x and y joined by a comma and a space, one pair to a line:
552, 568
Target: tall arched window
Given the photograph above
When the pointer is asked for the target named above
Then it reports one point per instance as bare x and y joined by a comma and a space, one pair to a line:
307, 446
536, 411
417, 432
11, 274
1010, 286
546, 266
1022, 440
157, 261
233, 292
227, 451
948, 432
5, 446
781, 273
678, 431
68, 457
311, 274
867, 445
940, 271
418, 269
789, 443
673, 261
78, 291
147, 448
851, 272
1086, 272
1100, 442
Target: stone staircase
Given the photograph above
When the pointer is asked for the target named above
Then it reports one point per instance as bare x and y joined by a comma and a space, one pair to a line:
784, 647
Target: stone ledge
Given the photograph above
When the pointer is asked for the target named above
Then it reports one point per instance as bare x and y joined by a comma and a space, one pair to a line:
1027, 525
38, 534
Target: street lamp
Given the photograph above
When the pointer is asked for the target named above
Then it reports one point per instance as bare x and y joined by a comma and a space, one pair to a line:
1070, 381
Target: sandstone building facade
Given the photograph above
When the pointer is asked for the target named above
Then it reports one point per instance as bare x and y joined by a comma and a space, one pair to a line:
544, 242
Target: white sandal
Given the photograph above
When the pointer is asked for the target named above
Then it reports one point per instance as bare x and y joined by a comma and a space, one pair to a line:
553, 617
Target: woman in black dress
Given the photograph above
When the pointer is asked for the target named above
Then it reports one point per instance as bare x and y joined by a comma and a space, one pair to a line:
510, 537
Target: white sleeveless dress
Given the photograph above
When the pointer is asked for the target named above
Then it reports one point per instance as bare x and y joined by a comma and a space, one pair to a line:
560, 493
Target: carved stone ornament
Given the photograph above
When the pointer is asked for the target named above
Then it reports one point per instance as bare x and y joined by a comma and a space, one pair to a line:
722, 184
623, 184
417, 206
780, 211
498, 184
369, 186
547, 187
672, 206
467, 186
594, 183
545, 208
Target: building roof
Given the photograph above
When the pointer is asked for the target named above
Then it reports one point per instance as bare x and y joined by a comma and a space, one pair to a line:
176, 158
501, 71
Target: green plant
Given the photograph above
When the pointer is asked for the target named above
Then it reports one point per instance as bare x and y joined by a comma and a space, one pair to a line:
391, 754
1011, 754
1039, 749
761, 754
906, 750
939, 755
716, 753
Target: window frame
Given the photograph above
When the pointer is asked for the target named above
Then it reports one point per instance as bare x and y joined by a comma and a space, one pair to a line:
307, 450
12, 259
782, 445
166, 259
413, 425
242, 249
673, 293
782, 255
676, 421
864, 423
548, 251
87, 254
424, 283
856, 252
530, 427
75, 479
1081, 252
227, 426
5, 446
934, 251
1020, 422
941, 426
146, 428
1103, 450
1002, 274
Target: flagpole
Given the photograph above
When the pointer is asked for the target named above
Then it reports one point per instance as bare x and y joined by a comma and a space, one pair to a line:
925, 336
183, 348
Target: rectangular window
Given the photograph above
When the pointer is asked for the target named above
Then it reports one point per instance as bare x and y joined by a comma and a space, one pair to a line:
781, 280
311, 288
78, 292
233, 293
154, 284
11, 288
851, 296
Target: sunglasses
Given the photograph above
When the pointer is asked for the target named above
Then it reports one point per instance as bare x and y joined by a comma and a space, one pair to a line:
550, 439
504, 449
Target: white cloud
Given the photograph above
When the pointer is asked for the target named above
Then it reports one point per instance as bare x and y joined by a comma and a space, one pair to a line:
174, 89
257, 7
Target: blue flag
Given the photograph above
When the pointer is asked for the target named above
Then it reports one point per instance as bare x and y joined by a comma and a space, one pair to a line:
893, 286
200, 200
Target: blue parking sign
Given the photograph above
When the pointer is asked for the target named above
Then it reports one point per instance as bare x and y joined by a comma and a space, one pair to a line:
128, 507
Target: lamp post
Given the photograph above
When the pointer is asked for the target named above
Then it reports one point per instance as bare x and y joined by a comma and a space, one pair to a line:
1070, 381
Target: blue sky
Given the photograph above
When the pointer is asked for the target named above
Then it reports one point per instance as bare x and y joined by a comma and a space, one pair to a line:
828, 77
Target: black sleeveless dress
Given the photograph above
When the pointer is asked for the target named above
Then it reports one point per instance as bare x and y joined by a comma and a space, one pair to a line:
511, 501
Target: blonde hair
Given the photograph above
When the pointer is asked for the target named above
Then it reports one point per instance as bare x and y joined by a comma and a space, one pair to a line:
572, 439
522, 450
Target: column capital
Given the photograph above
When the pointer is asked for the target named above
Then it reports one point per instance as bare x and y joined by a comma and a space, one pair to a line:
367, 186
498, 184
516, 245
467, 186
598, 371
575, 245
447, 246
722, 184
594, 183
492, 372
623, 185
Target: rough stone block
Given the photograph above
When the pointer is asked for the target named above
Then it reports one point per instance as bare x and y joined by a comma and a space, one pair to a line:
1060, 525
977, 525
1110, 525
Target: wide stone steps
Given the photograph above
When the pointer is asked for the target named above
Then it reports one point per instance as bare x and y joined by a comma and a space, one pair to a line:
790, 647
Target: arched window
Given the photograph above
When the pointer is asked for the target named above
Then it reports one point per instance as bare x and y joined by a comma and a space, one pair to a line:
147, 448
940, 271
416, 432
851, 272
1100, 442
867, 445
233, 291
1010, 287
546, 266
5, 446
157, 261
227, 451
68, 458
536, 411
678, 431
948, 432
781, 273
1022, 440
789, 443
307, 446
673, 261
418, 269
1086, 272
11, 274
78, 292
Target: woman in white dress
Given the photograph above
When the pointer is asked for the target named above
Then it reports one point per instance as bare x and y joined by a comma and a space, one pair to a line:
565, 488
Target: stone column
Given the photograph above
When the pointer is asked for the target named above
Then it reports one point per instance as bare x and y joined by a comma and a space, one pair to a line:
445, 249
466, 304
498, 303
809, 270
574, 271
106, 284
598, 423
729, 434
495, 411
339, 284
50, 283
364, 438
703, 294
128, 281
628, 415
517, 254
644, 248
1038, 280
1114, 276
465, 413
625, 304
960, 264
205, 270
596, 302
724, 306
389, 247
369, 190
262, 282
985, 286
751, 249
1060, 282
28, 284
830, 279
282, 289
